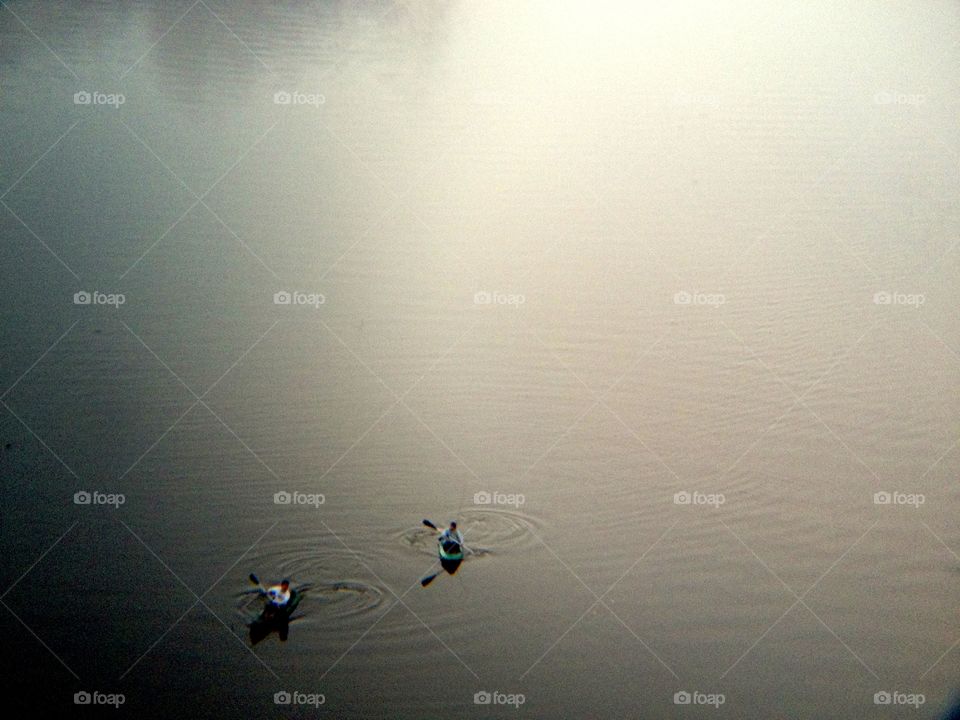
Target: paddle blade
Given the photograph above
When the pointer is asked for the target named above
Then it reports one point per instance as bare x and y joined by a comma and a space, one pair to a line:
254, 579
428, 579
429, 524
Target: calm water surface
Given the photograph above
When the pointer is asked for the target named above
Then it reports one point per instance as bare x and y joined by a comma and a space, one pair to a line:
673, 287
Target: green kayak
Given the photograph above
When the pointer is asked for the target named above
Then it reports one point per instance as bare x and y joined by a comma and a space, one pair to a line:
449, 551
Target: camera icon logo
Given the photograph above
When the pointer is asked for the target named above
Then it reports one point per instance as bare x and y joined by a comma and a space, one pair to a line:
682, 298
82, 497
282, 97
82, 298
682, 698
282, 498
882, 698
82, 698
681, 498
882, 498
282, 698
282, 298
482, 698
482, 498
882, 298
482, 298
82, 98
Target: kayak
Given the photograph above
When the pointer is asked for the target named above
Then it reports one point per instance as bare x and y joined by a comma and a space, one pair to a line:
449, 550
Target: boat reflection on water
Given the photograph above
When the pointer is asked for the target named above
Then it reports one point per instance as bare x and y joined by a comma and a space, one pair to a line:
275, 620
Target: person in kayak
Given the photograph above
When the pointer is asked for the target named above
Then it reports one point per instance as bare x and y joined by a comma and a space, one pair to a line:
451, 536
278, 595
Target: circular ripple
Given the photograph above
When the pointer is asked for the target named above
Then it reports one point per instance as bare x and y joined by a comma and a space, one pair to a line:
347, 598
304, 559
485, 531
332, 599
319, 572
421, 540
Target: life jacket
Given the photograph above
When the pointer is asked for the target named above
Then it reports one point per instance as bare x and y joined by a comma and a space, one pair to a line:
455, 536
276, 596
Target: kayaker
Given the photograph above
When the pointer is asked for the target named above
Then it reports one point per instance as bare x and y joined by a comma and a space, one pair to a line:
451, 535
278, 595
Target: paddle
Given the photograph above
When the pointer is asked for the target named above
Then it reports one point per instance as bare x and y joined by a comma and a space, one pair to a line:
430, 525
